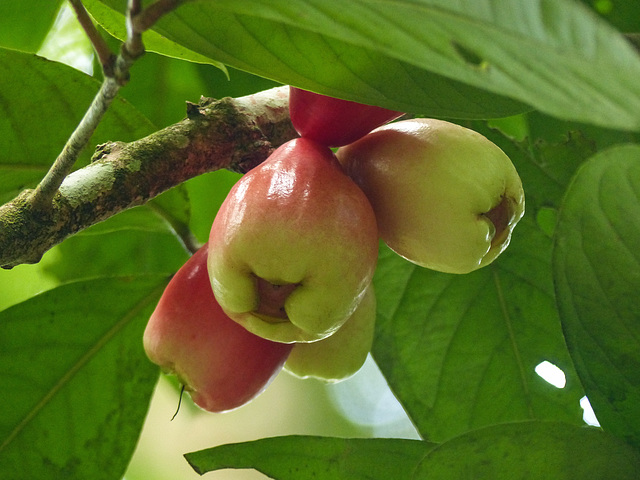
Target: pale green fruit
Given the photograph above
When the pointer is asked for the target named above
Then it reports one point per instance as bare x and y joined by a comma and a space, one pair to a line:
342, 354
294, 246
445, 197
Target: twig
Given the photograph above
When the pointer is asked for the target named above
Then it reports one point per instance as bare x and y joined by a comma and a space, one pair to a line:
43, 194
236, 134
116, 71
153, 13
105, 55
133, 46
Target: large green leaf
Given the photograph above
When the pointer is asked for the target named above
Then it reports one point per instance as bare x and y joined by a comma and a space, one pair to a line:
460, 351
131, 244
206, 193
77, 378
113, 21
518, 451
531, 450
554, 55
597, 277
41, 103
320, 458
623, 14
546, 159
24, 25
245, 38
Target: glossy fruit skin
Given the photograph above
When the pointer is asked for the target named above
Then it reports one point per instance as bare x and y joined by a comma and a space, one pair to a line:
331, 121
298, 223
342, 354
221, 365
445, 197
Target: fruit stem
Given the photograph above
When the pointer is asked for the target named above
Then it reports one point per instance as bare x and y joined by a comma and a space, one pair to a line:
179, 403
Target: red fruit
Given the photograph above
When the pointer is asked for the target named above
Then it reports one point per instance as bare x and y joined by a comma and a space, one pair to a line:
331, 121
221, 365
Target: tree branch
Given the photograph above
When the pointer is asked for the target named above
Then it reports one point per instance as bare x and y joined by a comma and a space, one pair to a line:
235, 134
116, 72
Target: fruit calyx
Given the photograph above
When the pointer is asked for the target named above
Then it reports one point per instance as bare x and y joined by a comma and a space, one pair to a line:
271, 300
502, 216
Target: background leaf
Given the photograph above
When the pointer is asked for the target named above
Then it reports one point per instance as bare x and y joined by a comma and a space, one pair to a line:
134, 242
460, 351
177, 81
522, 451
597, 277
78, 378
41, 103
501, 46
39, 15
321, 458
291, 53
623, 14
114, 22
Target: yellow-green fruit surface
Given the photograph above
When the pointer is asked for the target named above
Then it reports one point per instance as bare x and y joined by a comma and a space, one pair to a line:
342, 354
445, 197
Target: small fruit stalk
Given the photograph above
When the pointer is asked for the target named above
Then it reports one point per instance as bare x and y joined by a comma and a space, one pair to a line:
445, 197
220, 364
331, 121
294, 246
343, 353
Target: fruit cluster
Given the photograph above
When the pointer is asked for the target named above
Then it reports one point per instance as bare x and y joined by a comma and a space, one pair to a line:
286, 276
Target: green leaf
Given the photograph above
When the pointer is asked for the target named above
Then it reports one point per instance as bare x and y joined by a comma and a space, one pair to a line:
545, 160
41, 103
523, 451
460, 351
554, 55
597, 276
623, 14
114, 22
320, 458
206, 193
24, 24
77, 378
294, 54
550, 153
174, 81
113, 249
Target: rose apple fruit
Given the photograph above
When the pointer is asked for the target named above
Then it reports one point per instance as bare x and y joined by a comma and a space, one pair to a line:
331, 121
220, 364
294, 245
340, 355
445, 197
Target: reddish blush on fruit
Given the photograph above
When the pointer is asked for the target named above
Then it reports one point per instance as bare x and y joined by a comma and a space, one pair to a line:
331, 121
222, 365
